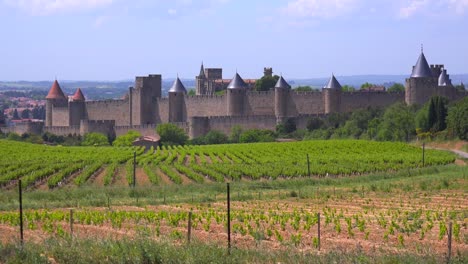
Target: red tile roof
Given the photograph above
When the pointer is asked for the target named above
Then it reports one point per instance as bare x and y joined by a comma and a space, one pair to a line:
78, 96
55, 92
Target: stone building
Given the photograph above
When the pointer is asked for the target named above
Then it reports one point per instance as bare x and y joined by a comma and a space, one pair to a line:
144, 107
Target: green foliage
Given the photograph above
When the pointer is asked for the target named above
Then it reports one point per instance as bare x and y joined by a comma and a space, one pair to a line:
14, 136
314, 123
457, 119
397, 123
397, 87
348, 88
95, 139
286, 127
171, 134
211, 138
266, 83
437, 113
304, 89
127, 139
191, 92
15, 115
257, 135
236, 132
366, 86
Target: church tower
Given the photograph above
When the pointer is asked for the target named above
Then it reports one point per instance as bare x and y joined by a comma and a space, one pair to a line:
201, 81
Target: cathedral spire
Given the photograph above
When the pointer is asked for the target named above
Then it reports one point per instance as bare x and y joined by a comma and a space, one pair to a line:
202, 71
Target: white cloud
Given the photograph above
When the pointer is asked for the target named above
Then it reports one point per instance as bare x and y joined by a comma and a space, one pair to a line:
319, 8
459, 6
433, 8
46, 7
412, 8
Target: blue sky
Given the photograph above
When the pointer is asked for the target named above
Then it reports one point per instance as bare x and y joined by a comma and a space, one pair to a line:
119, 39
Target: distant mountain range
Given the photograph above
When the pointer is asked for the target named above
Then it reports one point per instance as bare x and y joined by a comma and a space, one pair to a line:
96, 90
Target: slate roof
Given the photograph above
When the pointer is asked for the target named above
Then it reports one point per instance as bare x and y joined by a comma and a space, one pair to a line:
421, 69
237, 83
333, 84
55, 92
177, 87
281, 83
444, 79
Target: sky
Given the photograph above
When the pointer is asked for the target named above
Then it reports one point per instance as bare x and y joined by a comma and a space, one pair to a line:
120, 39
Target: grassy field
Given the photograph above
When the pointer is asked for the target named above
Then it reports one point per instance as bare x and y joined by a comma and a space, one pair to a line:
389, 215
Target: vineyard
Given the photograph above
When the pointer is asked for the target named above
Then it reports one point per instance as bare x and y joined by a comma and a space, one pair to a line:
373, 199
55, 166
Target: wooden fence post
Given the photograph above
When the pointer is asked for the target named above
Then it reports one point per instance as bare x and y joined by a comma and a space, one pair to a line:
71, 223
318, 230
229, 217
21, 211
189, 228
449, 253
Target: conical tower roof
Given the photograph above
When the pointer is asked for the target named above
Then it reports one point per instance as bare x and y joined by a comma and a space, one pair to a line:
421, 69
55, 92
78, 96
333, 84
237, 83
178, 87
202, 72
444, 79
281, 83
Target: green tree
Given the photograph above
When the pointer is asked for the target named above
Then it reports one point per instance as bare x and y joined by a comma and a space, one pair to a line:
215, 137
25, 114
15, 115
303, 89
191, 92
257, 135
366, 86
266, 83
348, 88
314, 123
236, 131
286, 127
95, 139
457, 119
437, 113
171, 134
397, 87
397, 123
127, 139
421, 118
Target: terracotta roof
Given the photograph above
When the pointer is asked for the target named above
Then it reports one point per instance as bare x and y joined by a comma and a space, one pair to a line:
78, 96
55, 92
148, 138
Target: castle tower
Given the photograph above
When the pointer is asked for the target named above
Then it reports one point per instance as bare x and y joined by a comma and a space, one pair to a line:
144, 97
282, 89
177, 102
200, 81
76, 106
332, 96
422, 84
55, 97
236, 92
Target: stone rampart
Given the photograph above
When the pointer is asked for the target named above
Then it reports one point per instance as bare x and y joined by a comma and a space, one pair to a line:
117, 110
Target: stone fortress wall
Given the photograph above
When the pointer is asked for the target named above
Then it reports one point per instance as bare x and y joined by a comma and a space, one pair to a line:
144, 107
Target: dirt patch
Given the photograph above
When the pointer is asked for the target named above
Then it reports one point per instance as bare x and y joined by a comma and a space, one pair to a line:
120, 178
141, 178
165, 180
99, 179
